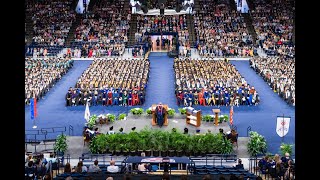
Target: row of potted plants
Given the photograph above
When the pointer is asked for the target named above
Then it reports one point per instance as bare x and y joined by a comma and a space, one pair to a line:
93, 120
174, 143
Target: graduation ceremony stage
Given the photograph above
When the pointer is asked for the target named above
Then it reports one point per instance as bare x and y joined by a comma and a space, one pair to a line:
52, 111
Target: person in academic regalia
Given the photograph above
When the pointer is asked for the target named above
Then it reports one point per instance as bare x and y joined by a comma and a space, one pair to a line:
135, 98
180, 98
160, 113
109, 102
201, 98
125, 98
115, 98
130, 98
158, 41
120, 97
141, 97
69, 98
104, 98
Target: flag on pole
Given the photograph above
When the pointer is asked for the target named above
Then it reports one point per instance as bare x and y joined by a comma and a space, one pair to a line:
32, 108
231, 115
35, 107
87, 113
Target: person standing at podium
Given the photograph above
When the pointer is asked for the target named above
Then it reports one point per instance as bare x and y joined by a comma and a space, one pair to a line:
160, 112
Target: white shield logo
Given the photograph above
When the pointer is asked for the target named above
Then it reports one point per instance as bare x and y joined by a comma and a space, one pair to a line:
283, 124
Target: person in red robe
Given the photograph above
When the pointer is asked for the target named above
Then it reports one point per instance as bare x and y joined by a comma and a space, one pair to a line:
109, 102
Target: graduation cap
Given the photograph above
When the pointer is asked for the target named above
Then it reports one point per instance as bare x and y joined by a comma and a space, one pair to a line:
111, 128
134, 128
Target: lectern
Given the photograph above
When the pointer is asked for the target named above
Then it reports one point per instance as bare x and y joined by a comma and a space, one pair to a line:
154, 118
216, 118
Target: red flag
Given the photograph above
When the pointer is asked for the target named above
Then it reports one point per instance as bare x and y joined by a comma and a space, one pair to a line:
231, 115
35, 107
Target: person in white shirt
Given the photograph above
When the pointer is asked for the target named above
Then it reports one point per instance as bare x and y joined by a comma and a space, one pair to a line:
113, 168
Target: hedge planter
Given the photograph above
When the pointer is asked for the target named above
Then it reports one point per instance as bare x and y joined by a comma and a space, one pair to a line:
179, 153
172, 153
164, 153
148, 152
156, 153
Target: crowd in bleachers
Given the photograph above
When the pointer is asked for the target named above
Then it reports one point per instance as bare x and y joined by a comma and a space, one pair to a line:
279, 73
159, 24
52, 20
42, 74
222, 32
103, 32
111, 82
168, 4
274, 25
211, 83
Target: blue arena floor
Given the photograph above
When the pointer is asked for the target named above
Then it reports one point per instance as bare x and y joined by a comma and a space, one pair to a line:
52, 111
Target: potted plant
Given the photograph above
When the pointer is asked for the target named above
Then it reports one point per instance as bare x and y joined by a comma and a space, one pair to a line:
148, 111
98, 144
223, 118
257, 144
111, 117
61, 145
286, 148
182, 111
136, 111
206, 118
121, 116
92, 121
171, 112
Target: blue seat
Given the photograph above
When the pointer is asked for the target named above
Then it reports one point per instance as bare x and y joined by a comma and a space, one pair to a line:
219, 167
214, 173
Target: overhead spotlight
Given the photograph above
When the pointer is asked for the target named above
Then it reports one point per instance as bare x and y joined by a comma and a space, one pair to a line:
186, 130
134, 128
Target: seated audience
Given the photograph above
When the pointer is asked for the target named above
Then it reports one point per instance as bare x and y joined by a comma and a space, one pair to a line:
279, 73
112, 168
111, 82
211, 83
94, 167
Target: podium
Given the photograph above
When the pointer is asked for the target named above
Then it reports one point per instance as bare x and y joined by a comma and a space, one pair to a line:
154, 119
193, 117
216, 118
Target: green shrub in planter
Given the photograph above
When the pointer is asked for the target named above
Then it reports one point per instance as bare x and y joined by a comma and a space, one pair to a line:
61, 144
286, 148
136, 111
257, 144
182, 110
207, 118
92, 121
223, 118
171, 112
98, 145
121, 116
111, 117
148, 111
